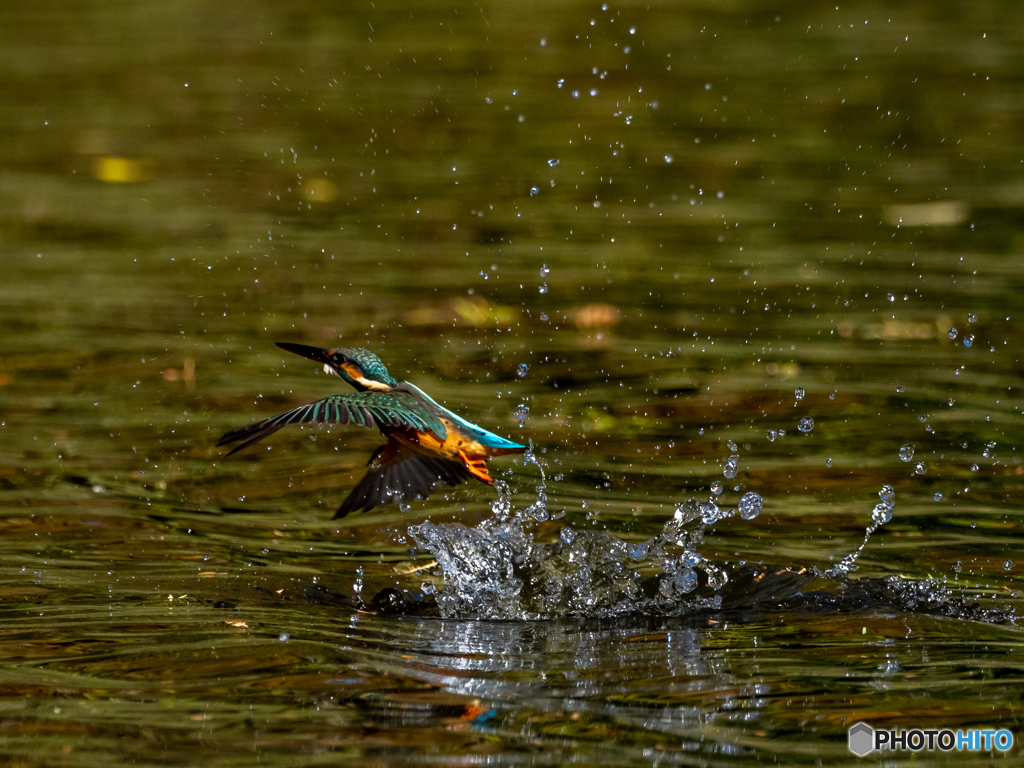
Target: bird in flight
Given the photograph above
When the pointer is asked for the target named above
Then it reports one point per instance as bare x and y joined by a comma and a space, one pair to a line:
427, 445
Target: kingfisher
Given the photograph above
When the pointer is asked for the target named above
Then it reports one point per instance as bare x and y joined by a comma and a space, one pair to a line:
427, 445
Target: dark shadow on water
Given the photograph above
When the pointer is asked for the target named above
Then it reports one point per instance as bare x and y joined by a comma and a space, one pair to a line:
753, 594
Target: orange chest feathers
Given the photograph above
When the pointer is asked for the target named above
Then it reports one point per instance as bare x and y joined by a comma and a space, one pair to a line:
451, 447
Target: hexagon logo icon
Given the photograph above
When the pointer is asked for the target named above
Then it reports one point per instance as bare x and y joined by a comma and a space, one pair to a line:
860, 739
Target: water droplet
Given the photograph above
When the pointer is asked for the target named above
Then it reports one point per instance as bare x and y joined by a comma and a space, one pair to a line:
806, 424
554, 160
545, 270
567, 535
799, 393
685, 581
731, 445
427, 588
668, 158
731, 466
717, 487
828, 462
881, 514
284, 637
958, 566
544, 317
710, 513
772, 434
534, 191
969, 340
887, 495
691, 559
750, 505
522, 412
543, 288
585, 504
937, 496
952, 333
1008, 565
920, 468
483, 274
889, 297
522, 370
971, 317
717, 579
907, 452
974, 468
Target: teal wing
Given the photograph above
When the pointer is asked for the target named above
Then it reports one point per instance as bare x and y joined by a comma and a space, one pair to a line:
367, 409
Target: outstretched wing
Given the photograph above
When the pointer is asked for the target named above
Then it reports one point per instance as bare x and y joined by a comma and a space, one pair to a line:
398, 474
367, 409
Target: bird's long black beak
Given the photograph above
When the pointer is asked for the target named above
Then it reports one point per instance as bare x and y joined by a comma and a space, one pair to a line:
313, 353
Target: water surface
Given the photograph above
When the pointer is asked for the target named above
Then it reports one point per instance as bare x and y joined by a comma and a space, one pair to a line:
675, 216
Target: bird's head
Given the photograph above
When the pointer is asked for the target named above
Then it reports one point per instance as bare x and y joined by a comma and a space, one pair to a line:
359, 367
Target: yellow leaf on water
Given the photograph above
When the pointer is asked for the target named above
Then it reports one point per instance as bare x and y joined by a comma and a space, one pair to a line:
120, 170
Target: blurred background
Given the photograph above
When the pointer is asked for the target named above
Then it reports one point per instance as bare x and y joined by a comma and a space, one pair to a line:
672, 231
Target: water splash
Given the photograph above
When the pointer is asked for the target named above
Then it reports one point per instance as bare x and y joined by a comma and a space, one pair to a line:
496, 570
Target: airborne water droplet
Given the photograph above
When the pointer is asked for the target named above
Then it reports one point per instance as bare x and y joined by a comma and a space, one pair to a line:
907, 452
545, 270
710, 513
799, 393
969, 340
685, 581
717, 487
731, 466
806, 424
887, 495
750, 505
522, 370
881, 514
771, 435
543, 288
952, 333
937, 496
521, 412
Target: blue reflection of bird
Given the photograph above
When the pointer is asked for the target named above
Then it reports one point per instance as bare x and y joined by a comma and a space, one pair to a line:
427, 445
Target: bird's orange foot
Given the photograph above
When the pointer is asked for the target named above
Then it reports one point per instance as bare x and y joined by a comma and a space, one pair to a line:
477, 468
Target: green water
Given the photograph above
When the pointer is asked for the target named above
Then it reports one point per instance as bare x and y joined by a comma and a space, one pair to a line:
728, 201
